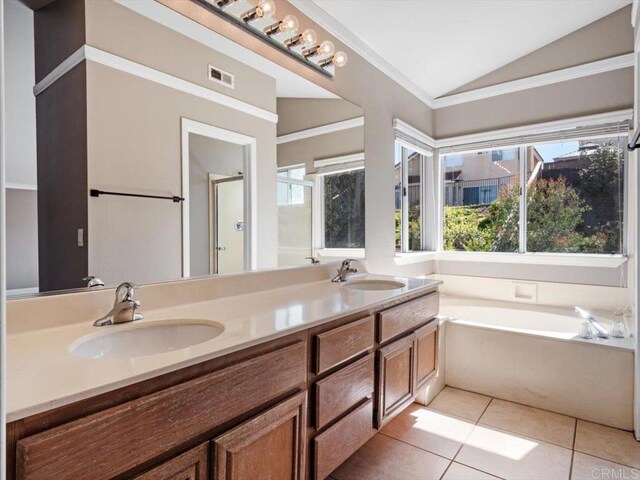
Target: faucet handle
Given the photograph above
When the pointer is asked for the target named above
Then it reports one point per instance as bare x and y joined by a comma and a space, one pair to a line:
128, 294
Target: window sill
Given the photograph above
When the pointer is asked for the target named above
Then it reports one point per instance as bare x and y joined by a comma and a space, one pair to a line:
551, 259
357, 253
407, 258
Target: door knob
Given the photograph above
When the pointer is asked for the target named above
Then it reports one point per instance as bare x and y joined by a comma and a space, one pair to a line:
221, 249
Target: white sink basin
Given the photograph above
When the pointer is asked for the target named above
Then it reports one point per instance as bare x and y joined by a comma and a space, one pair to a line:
374, 285
145, 339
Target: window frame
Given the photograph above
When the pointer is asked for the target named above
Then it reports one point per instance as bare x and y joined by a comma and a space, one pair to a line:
522, 221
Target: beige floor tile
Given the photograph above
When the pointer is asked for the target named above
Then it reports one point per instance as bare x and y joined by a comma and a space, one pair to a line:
460, 403
606, 442
437, 432
512, 456
586, 467
461, 472
531, 422
384, 458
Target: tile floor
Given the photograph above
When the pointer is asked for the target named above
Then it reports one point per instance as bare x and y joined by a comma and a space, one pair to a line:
467, 436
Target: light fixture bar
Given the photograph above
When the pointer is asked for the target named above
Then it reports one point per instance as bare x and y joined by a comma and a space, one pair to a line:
311, 53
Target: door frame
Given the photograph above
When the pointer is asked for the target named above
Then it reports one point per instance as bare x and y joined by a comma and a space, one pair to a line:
250, 161
213, 219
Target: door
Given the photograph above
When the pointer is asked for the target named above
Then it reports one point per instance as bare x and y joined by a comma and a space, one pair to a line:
396, 378
270, 446
191, 465
426, 351
228, 213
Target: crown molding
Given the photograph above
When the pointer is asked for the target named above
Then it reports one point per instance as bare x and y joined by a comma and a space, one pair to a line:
321, 130
87, 52
331, 25
412, 131
557, 76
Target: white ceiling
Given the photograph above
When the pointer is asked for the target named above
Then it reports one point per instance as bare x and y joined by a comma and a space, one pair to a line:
441, 45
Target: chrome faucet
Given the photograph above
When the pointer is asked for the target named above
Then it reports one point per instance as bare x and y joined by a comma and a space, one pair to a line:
124, 307
344, 271
314, 260
93, 281
601, 331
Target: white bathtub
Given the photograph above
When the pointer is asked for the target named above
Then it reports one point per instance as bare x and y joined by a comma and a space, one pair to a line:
533, 355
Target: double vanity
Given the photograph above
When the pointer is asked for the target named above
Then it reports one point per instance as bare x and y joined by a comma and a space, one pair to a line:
279, 383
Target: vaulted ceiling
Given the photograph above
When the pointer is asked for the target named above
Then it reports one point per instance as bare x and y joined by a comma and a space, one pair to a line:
441, 45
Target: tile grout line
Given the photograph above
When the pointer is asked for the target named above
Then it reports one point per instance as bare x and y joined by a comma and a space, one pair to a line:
606, 459
474, 426
573, 447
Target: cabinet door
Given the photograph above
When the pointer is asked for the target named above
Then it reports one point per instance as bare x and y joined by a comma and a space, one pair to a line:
396, 378
270, 446
426, 353
191, 465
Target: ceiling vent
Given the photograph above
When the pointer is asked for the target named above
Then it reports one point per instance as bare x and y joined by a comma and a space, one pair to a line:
220, 76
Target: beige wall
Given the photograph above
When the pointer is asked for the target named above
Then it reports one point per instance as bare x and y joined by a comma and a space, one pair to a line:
144, 117
22, 238
607, 37
600, 93
295, 114
120, 31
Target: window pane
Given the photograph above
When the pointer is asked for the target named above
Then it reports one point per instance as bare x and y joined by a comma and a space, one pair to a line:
482, 201
398, 201
294, 227
344, 210
297, 173
414, 175
575, 196
283, 193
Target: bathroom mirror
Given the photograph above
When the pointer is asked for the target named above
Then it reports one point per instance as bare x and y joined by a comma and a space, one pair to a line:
142, 146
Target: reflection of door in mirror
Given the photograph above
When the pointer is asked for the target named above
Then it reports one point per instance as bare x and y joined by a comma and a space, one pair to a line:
216, 205
227, 224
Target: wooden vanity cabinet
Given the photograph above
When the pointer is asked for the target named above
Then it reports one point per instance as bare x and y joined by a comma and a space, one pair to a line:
191, 465
294, 408
269, 446
396, 367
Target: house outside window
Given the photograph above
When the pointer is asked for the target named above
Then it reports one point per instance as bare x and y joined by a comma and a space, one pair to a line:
409, 193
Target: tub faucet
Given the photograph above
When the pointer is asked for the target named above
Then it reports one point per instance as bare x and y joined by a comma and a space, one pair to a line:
344, 271
601, 331
124, 307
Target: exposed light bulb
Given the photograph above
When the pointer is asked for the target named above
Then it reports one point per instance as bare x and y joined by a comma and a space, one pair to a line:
266, 8
326, 48
340, 59
289, 24
309, 37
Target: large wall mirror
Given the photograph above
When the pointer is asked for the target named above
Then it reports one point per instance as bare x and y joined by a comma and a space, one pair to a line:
142, 146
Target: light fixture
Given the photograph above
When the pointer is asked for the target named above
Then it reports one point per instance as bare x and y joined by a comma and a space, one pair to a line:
339, 60
282, 34
307, 37
325, 49
288, 24
265, 8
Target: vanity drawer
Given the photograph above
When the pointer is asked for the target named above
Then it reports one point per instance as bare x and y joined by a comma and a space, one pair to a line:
405, 317
342, 343
342, 390
191, 465
111, 442
339, 442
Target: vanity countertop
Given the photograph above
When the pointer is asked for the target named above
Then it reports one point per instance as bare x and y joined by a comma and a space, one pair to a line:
43, 374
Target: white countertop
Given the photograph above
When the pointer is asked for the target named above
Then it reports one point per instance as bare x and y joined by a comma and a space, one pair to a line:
42, 373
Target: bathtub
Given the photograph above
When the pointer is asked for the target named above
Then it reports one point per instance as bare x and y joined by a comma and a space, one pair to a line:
533, 355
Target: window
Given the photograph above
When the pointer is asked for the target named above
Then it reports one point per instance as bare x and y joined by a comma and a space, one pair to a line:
573, 202
575, 196
291, 186
481, 206
343, 209
409, 175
